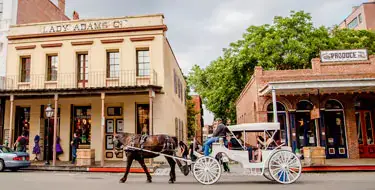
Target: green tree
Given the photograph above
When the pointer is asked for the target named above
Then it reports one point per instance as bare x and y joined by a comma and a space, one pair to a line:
289, 43
191, 113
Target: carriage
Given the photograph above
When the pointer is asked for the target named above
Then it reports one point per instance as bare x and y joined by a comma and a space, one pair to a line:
278, 163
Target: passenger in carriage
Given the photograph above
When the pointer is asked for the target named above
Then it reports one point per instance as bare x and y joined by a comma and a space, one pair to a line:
221, 131
237, 146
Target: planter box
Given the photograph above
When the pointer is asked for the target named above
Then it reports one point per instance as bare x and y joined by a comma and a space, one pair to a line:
85, 157
314, 156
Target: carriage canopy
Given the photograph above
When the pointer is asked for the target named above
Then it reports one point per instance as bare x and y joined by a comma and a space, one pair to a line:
254, 127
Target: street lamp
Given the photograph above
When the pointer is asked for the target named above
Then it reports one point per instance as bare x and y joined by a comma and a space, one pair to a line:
49, 114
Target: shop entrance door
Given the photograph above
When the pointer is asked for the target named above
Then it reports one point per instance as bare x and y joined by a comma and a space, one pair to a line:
335, 134
365, 132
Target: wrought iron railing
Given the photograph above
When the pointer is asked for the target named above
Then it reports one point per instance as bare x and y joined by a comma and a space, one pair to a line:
99, 79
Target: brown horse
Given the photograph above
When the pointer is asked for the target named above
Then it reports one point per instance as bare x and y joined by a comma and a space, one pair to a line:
156, 143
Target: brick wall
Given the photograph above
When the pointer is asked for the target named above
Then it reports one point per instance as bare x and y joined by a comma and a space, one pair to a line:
31, 11
369, 10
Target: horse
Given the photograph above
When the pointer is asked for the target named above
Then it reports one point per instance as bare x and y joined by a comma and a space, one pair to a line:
156, 143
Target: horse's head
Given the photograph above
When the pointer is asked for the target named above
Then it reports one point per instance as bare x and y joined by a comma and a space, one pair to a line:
119, 141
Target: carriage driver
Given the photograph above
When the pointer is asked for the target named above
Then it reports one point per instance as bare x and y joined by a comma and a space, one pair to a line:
221, 131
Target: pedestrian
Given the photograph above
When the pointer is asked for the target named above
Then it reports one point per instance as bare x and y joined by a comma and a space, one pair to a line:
36, 149
20, 144
59, 150
75, 144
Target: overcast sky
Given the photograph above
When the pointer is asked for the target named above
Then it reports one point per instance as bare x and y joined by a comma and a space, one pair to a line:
198, 30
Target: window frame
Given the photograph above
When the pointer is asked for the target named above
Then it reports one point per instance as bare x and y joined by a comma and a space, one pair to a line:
351, 24
146, 49
116, 73
49, 70
85, 66
24, 71
360, 18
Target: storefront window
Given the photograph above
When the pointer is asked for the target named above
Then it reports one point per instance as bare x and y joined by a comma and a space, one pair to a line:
143, 118
22, 122
281, 117
359, 127
305, 126
82, 124
370, 135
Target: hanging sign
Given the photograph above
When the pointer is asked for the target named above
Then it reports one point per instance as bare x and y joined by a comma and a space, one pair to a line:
343, 55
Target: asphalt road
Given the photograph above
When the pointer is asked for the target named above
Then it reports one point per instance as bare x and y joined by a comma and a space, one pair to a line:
109, 181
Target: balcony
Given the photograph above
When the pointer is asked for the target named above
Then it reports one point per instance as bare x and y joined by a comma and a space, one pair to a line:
69, 81
4, 24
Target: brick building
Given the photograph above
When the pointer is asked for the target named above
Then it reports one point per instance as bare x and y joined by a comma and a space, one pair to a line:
331, 105
362, 17
22, 12
199, 117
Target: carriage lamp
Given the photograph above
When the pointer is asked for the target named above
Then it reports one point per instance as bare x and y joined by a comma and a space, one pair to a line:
49, 114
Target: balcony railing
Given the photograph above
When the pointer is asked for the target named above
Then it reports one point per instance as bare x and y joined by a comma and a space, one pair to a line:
126, 78
4, 24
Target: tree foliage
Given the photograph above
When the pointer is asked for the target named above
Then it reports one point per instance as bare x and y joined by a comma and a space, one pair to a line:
191, 114
289, 43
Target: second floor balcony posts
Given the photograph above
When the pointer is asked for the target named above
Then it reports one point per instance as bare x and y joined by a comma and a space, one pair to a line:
95, 79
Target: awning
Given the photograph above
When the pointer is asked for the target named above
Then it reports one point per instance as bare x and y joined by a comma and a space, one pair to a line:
324, 86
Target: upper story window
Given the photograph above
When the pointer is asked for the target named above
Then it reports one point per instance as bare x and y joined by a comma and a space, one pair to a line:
143, 62
360, 18
1, 9
83, 67
113, 64
52, 67
25, 69
179, 88
175, 81
353, 23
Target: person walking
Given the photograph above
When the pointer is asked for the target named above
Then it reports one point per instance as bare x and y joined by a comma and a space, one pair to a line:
75, 144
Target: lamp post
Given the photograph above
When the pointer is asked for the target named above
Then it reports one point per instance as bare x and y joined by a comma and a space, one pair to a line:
49, 114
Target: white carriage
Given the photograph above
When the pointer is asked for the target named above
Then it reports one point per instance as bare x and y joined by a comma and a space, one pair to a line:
278, 164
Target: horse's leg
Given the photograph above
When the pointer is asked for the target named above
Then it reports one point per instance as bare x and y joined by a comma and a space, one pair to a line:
129, 160
145, 169
172, 173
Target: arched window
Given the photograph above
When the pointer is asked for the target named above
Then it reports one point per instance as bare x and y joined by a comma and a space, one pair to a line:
280, 107
304, 105
333, 104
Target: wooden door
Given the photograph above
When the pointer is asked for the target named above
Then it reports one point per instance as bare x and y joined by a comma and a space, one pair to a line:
365, 132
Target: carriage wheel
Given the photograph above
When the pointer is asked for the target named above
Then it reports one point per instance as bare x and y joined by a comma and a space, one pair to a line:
207, 170
284, 167
267, 174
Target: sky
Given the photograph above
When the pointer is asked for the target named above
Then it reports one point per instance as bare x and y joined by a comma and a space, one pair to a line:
198, 30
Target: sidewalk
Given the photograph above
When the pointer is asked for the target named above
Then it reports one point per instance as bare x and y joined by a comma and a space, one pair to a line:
332, 165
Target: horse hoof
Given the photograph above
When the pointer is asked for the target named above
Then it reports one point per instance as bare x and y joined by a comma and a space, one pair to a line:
170, 181
149, 181
122, 180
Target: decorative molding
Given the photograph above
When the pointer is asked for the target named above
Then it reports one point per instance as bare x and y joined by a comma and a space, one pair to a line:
109, 41
150, 38
51, 45
25, 47
82, 43
130, 29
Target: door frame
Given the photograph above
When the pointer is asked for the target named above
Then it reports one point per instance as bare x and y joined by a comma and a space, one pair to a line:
365, 146
345, 131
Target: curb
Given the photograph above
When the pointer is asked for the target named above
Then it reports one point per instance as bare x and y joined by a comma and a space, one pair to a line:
338, 168
88, 169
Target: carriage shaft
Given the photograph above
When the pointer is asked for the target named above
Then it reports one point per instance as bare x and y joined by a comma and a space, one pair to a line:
159, 153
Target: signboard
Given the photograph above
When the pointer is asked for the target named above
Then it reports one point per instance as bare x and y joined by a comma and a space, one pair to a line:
84, 26
343, 55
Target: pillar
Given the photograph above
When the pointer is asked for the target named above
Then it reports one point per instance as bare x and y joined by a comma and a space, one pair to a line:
274, 105
102, 131
151, 97
11, 121
55, 130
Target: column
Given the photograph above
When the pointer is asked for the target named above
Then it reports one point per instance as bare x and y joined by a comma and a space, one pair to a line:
55, 130
11, 121
102, 130
274, 105
293, 131
322, 129
151, 97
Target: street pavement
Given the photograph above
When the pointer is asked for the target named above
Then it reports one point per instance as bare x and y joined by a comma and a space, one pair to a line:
109, 181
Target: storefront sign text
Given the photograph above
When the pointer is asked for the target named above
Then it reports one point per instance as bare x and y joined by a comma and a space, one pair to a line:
344, 55
85, 26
